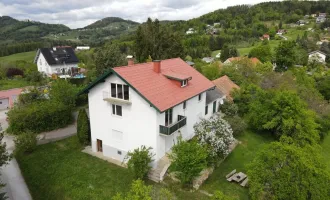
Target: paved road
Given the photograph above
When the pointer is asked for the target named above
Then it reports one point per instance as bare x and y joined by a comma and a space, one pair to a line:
15, 188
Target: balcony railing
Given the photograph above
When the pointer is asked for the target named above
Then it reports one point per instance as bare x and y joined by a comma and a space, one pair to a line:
168, 130
107, 97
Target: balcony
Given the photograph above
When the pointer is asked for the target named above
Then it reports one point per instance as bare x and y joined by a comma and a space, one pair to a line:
107, 97
168, 130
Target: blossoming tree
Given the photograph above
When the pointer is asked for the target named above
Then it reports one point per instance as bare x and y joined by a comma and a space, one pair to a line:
216, 134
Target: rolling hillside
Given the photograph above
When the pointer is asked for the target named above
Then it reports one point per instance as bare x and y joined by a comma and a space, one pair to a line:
13, 30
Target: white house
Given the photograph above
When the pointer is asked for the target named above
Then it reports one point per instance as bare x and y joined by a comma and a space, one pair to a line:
148, 104
80, 48
317, 56
57, 60
190, 31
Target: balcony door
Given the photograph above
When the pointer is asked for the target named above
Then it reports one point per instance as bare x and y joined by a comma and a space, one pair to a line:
168, 117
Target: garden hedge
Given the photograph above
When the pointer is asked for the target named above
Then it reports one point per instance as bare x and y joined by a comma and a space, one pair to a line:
39, 117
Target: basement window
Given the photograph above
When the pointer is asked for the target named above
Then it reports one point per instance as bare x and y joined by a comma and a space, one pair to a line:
184, 83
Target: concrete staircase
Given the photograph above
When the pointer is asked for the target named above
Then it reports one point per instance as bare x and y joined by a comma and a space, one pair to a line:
157, 174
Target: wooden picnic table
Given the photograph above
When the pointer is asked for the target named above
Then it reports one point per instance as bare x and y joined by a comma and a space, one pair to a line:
238, 177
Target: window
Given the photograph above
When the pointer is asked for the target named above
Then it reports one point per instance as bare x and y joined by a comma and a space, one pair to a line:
184, 105
120, 91
214, 106
116, 110
184, 83
119, 152
168, 117
206, 110
199, 97
113, 90
126, 92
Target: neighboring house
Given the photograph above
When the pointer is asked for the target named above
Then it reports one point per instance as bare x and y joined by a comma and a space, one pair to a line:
9, 97
61, 61
190, 31
225, 86
265, 37
80, 48
148, 104
208, 59
317, 56
281, 31
236, 59
320, 19
323, 15
322, 41
313, 15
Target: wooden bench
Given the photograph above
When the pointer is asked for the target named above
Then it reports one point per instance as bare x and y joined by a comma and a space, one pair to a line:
228, 176
245, 182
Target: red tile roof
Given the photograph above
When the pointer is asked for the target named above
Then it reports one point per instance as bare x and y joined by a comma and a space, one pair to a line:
225, 85
172, 75
11, 95
159, 90
253, 60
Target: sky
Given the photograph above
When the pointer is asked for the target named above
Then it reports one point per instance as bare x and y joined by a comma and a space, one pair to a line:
80, 13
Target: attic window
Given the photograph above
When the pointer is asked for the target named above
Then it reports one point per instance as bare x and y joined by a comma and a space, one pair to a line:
184, 83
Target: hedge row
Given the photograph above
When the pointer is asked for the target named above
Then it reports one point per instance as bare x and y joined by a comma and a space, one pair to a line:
39, 117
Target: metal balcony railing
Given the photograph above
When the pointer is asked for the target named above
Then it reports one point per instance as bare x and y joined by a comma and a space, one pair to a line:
168, 130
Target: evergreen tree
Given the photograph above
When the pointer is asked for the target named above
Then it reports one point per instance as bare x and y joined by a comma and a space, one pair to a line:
83, 128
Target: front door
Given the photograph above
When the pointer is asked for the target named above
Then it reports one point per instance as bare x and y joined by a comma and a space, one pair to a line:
99, 145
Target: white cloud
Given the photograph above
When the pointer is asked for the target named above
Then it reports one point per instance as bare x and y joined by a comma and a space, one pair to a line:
79, 13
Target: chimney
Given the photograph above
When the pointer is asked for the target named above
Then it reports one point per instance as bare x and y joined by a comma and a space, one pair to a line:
156, 64
130, 60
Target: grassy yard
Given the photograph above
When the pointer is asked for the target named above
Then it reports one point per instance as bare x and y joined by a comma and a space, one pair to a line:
27, 56
15, 83
61, 171
242, 155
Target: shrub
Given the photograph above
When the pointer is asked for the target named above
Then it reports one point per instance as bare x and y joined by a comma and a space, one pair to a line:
216, 134
83, 129
31, 96
63, 92
188, 160
229, 108
25, 142
38, 117
35, 77
138, 191
11, 72
139, 162
238, 125
218, 195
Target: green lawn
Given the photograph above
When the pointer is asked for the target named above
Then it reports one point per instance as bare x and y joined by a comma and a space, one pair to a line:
242, 155
61, 171
326, 150
15, 83
27, 56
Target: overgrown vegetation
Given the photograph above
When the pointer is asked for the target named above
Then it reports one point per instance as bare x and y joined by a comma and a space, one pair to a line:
25, 143
138, 162
83, 128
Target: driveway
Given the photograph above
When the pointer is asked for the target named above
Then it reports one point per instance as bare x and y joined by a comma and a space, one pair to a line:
3, 121
15, 188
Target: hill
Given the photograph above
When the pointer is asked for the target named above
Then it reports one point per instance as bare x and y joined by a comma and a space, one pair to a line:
13, 30
110, 23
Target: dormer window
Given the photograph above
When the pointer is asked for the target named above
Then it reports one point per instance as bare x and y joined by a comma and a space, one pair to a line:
184, 83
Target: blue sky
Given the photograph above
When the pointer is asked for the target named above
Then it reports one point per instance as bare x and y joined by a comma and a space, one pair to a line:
79, 13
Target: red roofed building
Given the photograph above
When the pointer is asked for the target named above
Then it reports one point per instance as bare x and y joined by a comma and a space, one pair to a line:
226, 86
9, 97
237, 59
148, 104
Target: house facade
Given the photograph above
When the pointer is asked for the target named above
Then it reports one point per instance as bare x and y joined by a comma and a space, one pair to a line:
61, 61
148, 104
9, 97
